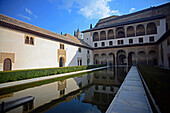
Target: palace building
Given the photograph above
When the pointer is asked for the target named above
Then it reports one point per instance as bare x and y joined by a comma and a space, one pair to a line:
140, 37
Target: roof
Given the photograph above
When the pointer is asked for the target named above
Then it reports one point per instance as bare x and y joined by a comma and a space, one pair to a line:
126, 23
76, 39
25, 27
107, 19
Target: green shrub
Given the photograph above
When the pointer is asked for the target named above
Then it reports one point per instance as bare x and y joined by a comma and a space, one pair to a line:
7, 76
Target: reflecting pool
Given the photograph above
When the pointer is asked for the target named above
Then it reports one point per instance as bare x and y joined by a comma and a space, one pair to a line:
92, 92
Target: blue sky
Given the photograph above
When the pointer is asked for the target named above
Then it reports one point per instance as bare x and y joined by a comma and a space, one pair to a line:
68, 15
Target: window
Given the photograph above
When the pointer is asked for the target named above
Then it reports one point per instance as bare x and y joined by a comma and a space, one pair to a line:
79, 61
79, 50
103, 44
130, 41
151, 39
120, 42
88, 52
95, 44
29, 40
110, 43
61, 46
140, 40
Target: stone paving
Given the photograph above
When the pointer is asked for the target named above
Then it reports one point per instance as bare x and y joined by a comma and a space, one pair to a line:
131, 97
10, 84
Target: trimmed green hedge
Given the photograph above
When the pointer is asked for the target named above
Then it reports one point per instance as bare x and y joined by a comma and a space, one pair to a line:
8, 76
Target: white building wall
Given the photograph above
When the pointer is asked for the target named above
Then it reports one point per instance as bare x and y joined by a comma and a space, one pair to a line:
161, 29
166, 53
43, 54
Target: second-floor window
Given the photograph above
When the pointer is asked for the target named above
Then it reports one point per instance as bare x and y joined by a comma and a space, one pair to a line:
29, 40
103, 44
79, 49
61, 46
140, 40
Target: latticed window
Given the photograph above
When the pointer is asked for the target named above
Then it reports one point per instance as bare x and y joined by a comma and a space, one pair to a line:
79, 50
140, 40
61, 46
31, 41
27, 40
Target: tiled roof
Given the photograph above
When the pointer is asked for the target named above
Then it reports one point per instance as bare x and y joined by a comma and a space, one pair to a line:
108, 19
25, 27
126, 23
76, 39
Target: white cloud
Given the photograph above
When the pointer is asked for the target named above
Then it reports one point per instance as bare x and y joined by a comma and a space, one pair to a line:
91, 9
97, 9
28, 11
23, 16
131, 10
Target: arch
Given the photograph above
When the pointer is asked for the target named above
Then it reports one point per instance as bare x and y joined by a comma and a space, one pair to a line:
152, 57
31, 41
7, 66
102, 35
142, 57
111, 59
95, 36
103, 58
110, 34
120, 32
131, 58
61, 62
130, 31
96, 59
121, 57
27, 40
151, 28
140, 30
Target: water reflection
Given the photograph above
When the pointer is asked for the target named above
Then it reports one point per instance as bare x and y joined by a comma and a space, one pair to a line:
92, 92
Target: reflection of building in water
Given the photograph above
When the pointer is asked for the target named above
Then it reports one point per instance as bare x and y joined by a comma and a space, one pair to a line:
61, 87
100, 95
105, 85
46, 93
99, 88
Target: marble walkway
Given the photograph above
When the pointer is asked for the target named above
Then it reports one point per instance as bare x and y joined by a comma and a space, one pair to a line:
131, 97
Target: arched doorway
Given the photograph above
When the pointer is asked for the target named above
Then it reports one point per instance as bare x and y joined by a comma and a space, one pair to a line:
7, 64
96, 59
121, 57
61, 62
111, 59
152, 57
142, 57
131, 58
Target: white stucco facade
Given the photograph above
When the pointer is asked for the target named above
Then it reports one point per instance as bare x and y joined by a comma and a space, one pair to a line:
43, 54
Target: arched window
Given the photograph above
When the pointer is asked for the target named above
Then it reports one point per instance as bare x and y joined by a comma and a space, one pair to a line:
31, 41
140, 30
120, 32
102, 35
110, 34
130, 31
151, 28
27, 40
7, 64
95, 37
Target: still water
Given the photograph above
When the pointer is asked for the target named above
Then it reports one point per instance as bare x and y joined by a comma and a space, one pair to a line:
89, 93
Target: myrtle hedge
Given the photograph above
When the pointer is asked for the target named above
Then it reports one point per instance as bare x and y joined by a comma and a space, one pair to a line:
8, 76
